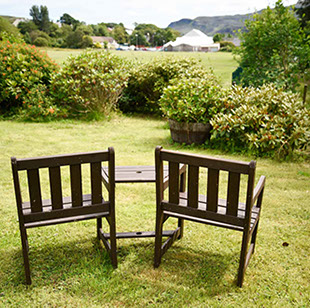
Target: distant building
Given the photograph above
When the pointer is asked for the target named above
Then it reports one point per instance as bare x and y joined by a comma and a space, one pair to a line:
111, 43
18, 20
195, 40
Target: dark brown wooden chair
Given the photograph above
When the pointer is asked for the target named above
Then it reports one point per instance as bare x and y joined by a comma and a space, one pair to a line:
208, 209
59, 209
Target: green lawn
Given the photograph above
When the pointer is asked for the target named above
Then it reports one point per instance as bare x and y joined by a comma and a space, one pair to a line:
70, 269
223, 63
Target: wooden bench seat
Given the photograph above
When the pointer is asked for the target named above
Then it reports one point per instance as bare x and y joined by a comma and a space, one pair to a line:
203, 216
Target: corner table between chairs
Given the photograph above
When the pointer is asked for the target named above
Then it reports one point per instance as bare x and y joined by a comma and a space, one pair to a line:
141, 174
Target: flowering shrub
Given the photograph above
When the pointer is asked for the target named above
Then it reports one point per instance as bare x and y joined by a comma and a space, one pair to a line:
38, 106
192, 100
22, 67
91, 82
148, 80
266, 121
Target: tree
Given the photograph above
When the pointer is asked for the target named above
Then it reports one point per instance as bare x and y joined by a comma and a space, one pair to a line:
27, 27
69, 20
303, 11
40, 17
218, 37
119, 34
273, 48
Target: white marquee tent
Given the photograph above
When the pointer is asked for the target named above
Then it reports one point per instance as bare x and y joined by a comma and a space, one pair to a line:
195, 40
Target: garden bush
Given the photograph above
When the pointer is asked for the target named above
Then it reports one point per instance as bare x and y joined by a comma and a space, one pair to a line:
22, 68
227, 46
90, 83
38, 106
192, 100
264, 121
148, 80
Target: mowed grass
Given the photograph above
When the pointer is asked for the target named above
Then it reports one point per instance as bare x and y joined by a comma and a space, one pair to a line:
222, 63
70, 269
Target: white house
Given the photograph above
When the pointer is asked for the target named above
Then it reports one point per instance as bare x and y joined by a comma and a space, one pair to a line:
110, 41
195, 40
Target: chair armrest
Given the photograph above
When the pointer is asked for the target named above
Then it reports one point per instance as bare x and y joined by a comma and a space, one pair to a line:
259, 188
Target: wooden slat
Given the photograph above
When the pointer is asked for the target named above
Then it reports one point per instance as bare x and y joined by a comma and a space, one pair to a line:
34, 190
61, 160
76, 185
212, 190
55, 185
193, 186
174, 184
188, 211
96, 186
233, 193
70, 212
205, 161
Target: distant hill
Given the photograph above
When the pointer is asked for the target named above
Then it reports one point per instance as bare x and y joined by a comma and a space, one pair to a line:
212, 25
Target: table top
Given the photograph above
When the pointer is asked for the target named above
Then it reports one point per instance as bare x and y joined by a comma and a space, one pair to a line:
133, 174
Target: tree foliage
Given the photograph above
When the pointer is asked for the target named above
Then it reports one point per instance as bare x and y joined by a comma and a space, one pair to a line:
40, 17
69, 20
303, 12
6, 26
274, 48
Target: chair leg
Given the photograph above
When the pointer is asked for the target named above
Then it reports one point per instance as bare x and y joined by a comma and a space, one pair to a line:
113, 252
253, 237
25, 249
99, 226
158, 238
181, 226
243, 257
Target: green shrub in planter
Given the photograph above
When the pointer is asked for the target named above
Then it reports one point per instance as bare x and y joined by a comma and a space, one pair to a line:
22, 67
264, 121
90, 83
148, 80
192, 100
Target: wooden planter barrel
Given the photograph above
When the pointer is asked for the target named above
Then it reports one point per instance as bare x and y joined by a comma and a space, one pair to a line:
189, 132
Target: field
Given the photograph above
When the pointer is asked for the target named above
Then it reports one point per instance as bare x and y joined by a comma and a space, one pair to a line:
223, 63
70, 269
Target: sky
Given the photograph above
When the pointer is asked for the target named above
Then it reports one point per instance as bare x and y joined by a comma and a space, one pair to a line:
158, 12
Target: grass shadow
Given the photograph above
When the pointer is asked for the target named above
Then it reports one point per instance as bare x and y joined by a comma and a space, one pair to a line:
183, 267
54, 263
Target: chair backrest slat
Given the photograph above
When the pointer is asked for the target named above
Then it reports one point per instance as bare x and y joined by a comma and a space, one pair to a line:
56, 189
76, 185
174, 184
96, 187
212, 190
34, 190
233, 193
193, 186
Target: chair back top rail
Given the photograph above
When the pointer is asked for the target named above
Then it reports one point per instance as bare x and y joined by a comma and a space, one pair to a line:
60, 160
208, 162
